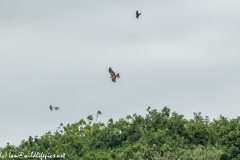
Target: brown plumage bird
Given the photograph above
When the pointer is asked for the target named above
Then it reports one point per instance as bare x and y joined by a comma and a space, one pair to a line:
113, 75
51, 107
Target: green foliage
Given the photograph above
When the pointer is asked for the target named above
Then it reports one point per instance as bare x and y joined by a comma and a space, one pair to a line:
163, 135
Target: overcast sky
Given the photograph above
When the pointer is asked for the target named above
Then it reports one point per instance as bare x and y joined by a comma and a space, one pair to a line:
181, 54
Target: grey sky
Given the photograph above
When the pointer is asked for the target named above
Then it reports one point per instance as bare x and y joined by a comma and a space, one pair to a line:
180, 54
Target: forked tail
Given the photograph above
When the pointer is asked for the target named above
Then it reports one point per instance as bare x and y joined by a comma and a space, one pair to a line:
118, 75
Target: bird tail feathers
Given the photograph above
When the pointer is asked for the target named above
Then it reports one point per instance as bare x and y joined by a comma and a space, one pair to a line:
118, 75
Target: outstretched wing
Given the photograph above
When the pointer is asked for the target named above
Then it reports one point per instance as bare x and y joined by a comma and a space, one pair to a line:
137, 13
111, 72
114, 79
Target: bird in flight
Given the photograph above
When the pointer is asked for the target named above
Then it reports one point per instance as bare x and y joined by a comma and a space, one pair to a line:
113, 75
137, 14
51, 107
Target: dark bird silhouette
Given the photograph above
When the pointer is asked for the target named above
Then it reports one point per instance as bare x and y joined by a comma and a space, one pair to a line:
137, 14
113, 75
51, 107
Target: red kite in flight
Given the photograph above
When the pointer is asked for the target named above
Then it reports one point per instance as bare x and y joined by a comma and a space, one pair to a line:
137, 14
51, 107
113, 75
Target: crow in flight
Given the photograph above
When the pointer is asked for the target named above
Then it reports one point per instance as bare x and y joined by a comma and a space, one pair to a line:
113, 75
137, 14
